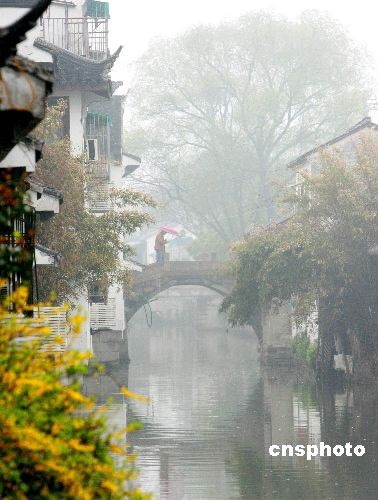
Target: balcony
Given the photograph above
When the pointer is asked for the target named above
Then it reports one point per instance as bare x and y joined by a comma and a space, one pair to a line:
84, 36
104, 315
53, 318
98, 198
17, 250
98, 145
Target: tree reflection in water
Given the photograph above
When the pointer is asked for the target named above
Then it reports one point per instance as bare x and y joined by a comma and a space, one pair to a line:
214, 415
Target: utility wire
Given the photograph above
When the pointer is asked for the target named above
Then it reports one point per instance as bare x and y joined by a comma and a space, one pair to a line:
148, 320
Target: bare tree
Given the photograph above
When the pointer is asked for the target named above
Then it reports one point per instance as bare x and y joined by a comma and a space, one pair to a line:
217, 112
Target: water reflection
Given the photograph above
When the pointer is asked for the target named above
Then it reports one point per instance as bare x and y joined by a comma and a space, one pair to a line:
214, 415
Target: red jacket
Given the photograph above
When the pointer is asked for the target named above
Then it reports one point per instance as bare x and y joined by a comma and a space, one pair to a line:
160, 242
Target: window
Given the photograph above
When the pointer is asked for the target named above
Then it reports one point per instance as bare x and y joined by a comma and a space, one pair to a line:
97, 9
92, 149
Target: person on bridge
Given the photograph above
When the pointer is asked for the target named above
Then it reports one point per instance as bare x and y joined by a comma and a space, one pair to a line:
160, 243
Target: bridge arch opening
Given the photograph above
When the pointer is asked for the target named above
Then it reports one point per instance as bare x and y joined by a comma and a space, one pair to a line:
175, 303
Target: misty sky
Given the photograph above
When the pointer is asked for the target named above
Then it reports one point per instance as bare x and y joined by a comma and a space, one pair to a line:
136, 22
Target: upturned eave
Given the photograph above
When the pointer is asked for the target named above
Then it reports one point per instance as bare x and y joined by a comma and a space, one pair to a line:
72, 71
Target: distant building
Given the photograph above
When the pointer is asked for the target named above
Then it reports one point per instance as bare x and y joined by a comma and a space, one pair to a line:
309, 163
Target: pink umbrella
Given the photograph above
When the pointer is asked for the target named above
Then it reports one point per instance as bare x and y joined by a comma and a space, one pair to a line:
169, 230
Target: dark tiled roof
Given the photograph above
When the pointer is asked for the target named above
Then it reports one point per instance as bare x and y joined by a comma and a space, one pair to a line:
116, 85
45, 189
32, 142
130, 168
17, 3
48, 251
133, 157
75, 71
275, 225
365, 123
11, 35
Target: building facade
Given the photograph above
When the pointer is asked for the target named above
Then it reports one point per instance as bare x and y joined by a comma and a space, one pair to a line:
25, 85
71, 40
332, 353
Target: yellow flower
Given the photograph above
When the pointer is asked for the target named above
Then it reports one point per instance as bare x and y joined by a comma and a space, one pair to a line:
117, 449
78, 446
76, 323
110, 486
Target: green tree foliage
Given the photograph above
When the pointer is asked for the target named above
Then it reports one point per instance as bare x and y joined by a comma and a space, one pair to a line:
218, 111
90, 244
305, 350
322, 252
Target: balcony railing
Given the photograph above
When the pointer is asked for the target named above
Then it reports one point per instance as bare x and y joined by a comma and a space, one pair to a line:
54, 318
99, 170
98, 198
84, 36
17, 251
98, 145
103, 315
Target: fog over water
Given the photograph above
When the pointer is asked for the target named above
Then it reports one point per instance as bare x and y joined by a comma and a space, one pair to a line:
189, 249
214, 413
214, 410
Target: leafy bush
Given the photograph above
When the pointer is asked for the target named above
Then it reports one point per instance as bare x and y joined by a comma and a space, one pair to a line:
322, 252
305, 350
90, 244
53, 443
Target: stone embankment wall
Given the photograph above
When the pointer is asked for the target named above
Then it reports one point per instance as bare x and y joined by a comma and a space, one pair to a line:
110, 346
277, 335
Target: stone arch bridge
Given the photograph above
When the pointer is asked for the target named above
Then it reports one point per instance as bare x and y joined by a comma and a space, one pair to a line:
112, 346
157, 278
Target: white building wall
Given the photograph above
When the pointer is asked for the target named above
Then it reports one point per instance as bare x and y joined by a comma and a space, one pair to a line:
8, 16
116, 293
57, 9
77, 117
82, 342
312, 165
21, 155
77, 105
42, 259
116, 173
109, 315
44, 203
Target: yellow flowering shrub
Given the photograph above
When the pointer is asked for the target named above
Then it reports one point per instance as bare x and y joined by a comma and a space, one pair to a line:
53, 443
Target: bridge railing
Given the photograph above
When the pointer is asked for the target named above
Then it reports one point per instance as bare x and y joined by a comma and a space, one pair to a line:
179, 270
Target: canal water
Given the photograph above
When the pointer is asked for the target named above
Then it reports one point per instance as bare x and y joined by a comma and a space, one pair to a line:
214, 413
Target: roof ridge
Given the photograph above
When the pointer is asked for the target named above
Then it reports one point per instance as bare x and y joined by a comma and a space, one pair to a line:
43, 44
46, 189
365, 122
48, 251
